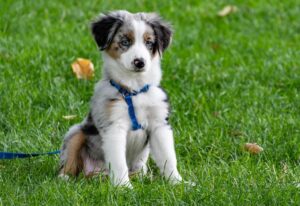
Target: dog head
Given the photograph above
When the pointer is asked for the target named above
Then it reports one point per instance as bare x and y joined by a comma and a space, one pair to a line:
132, 41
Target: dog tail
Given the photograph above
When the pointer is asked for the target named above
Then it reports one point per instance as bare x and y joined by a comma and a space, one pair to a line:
70, 159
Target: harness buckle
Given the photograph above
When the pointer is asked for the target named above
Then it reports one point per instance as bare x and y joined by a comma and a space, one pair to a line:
126, 94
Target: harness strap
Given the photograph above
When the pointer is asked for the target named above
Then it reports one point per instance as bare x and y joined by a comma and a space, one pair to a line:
127, 95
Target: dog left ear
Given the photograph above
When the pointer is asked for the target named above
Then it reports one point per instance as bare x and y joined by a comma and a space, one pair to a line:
105, 29
163, 32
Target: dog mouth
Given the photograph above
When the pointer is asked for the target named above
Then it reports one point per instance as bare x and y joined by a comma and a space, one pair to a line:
138, 70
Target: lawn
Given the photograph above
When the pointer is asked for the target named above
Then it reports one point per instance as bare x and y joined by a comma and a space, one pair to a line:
231, 80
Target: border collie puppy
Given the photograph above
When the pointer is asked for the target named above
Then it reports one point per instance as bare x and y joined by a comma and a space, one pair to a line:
128, 116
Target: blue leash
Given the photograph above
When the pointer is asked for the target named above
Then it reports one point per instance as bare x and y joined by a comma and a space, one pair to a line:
14, 155
127, 95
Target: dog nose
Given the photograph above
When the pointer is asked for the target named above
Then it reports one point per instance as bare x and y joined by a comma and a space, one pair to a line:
139, 63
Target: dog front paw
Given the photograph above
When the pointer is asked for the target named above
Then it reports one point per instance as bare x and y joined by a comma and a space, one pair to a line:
121, 182
178, 180
175, 179
127, 185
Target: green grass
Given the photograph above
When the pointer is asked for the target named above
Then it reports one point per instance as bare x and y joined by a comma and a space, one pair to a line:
231, 80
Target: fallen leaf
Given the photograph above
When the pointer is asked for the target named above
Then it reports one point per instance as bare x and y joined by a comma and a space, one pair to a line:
215, 46
83, 68
236, 133
227, 10
253, 148
68, 117
216, 114
285, 168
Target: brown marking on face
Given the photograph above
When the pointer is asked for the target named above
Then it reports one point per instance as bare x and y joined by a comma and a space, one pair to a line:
126, 35
150, 36
114, 50
74, 164
130, 35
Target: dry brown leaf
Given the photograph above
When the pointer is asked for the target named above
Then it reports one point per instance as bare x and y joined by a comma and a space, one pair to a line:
216, 114
69, 117
236, 133
253, 148
83, 68
227, 10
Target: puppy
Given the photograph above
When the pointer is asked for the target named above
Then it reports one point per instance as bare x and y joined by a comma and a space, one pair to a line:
128, 116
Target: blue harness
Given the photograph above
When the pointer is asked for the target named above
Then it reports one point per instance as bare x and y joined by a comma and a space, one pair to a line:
127, 95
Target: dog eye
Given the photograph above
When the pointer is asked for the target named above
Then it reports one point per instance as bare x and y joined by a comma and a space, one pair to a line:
149, 44
125, 42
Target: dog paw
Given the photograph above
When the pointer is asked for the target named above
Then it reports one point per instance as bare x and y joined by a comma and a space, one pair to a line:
64, 177
127, 185
175, 179
121, 182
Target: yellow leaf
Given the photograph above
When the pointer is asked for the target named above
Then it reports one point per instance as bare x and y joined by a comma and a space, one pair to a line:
227, 10
68, 117
83, 68
253, 148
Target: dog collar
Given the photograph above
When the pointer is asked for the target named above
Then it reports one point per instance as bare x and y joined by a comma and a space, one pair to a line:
127, 97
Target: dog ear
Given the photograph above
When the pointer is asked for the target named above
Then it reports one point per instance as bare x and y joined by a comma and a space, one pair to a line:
163, 31
105, 28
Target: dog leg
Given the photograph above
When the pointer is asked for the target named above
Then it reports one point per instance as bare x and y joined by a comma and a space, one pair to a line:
140, 163
163, 152
114, 148
91, 167
72, 163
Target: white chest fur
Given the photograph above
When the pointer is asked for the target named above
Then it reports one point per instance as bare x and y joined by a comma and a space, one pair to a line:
150, 109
